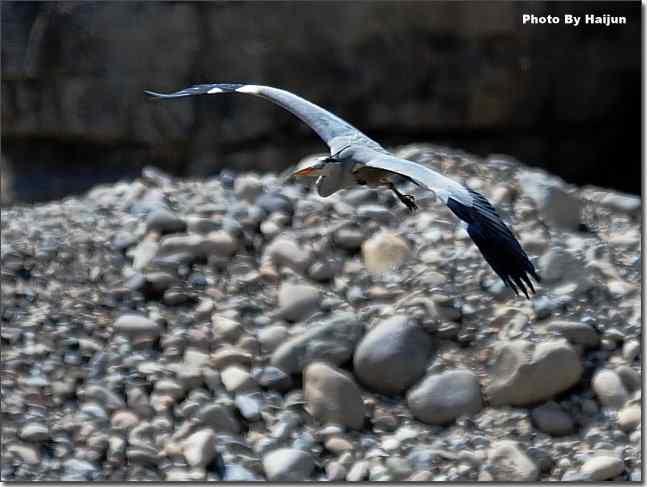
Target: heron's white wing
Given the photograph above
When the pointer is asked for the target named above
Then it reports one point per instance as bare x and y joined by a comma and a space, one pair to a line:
334, 131
491, 235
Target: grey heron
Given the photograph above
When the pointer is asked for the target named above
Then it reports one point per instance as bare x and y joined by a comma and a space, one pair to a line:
357, 159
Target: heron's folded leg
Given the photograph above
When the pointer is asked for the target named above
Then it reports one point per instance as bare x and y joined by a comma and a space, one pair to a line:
408, 200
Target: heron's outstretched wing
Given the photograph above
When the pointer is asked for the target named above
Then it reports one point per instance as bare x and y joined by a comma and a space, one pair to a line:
486, 228
334, 131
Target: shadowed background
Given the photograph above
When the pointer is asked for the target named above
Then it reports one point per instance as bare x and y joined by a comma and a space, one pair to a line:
465, 74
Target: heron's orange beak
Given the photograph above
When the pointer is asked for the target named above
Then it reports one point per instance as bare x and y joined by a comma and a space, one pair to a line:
306, 171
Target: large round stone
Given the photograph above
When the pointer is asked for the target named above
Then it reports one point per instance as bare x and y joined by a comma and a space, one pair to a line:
602, 467
392, 356
523, 376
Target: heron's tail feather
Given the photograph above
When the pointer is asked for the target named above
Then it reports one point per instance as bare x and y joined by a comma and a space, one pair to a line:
496, 242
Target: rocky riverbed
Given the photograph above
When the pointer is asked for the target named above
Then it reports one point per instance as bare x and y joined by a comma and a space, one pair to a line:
239, 329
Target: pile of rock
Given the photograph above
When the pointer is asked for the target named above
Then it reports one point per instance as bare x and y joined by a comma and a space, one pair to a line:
237, 329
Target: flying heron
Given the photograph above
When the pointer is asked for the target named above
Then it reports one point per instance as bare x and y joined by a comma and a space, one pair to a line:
356, 159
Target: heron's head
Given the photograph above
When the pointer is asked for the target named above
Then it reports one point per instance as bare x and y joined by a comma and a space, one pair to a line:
311, 168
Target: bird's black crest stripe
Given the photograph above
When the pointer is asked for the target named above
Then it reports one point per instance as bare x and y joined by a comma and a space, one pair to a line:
496, 242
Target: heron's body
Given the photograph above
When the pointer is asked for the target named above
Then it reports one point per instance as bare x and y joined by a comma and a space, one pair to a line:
372, 177
357, 159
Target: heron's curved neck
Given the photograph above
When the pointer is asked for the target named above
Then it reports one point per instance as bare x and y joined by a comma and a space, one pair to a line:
333, 157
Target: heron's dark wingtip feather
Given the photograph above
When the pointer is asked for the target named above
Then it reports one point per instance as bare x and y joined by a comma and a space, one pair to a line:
511, 285
528, 282
155, 94
496, 242
201, 89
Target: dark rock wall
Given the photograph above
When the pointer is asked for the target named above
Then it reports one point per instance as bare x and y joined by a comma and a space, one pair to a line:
467, 74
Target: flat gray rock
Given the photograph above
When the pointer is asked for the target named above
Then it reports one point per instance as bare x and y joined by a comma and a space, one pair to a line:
575, 332
552, 419
164, 221
218, 417
349, 237
376, 212
559, 264
186, 248
558, 206
332, 341
441, 398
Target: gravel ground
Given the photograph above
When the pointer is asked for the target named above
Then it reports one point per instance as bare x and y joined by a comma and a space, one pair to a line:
237, 329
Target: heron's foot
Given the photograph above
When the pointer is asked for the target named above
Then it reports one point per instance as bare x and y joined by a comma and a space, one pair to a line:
409, 201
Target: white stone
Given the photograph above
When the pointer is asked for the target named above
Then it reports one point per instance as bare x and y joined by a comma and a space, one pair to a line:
384, 251
135, 326
288, 465
200, 448
603, 467
609, 389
